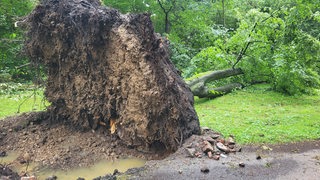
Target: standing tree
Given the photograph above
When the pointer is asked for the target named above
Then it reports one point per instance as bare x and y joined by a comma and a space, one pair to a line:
166, 6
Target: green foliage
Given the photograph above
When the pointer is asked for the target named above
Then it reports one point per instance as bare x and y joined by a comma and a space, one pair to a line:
263, 116
11, 39
281, 49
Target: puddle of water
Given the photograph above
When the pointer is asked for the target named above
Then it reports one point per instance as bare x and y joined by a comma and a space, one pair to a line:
99, 169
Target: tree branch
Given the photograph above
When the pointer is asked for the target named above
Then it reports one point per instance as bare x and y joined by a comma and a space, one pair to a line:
245, 48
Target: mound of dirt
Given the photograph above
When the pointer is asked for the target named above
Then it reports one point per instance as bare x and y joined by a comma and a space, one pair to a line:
111, 71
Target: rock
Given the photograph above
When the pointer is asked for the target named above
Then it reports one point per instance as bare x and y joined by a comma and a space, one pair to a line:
205, 170
231, 146
215, 136
222, 147
115, 172
53, 177
231, 141
204, 129
191, 152
198, 154
3, 153
209, 154
216, 157
180, 172
258, 157
29, 178
241, 164
80, 178
221, 140
266, 148
207, 147
209, 139
223, 155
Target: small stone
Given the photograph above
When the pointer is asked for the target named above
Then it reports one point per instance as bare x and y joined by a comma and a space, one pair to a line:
216, 157
198, 154
53, 177
266, 148
205, 170
29, 178
191, 152
80, 178
3, 153
231, 141
209, 154
180, 172
221, 140
204, 130
258, 157
239, 149
116, 171
215, 136
190, 145
10, 130
223, 155
207, 147
222, 147
210, 139
241, 164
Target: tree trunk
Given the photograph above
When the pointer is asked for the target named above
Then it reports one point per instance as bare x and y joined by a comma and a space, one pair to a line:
199, 88
213, 75
110, 71
203, 91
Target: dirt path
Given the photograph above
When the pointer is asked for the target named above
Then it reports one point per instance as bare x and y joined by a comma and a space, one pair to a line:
289, 161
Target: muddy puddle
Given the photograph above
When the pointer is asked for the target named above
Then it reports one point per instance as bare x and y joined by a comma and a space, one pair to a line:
98, 169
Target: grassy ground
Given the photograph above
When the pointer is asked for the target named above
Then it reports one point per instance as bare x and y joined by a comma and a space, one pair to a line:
258, 115
18, 98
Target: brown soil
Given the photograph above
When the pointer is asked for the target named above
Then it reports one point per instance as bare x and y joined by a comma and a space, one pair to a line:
63, 146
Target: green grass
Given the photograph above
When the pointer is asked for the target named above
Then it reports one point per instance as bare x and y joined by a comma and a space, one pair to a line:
19, 98
258, 115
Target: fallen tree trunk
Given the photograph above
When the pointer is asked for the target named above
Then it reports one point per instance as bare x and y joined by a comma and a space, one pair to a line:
198, 84
111, 71
213, 75
203, 91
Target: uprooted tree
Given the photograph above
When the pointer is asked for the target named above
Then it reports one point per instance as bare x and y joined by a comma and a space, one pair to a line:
199, 88
108, 70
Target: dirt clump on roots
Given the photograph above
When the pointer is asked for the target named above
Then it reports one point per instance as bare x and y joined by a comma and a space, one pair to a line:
111, 72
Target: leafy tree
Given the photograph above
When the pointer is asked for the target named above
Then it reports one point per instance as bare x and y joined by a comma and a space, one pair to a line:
11, 38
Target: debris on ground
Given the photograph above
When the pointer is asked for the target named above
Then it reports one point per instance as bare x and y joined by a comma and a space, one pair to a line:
212, 145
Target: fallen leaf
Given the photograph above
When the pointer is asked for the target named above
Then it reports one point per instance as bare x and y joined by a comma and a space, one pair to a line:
112, 126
